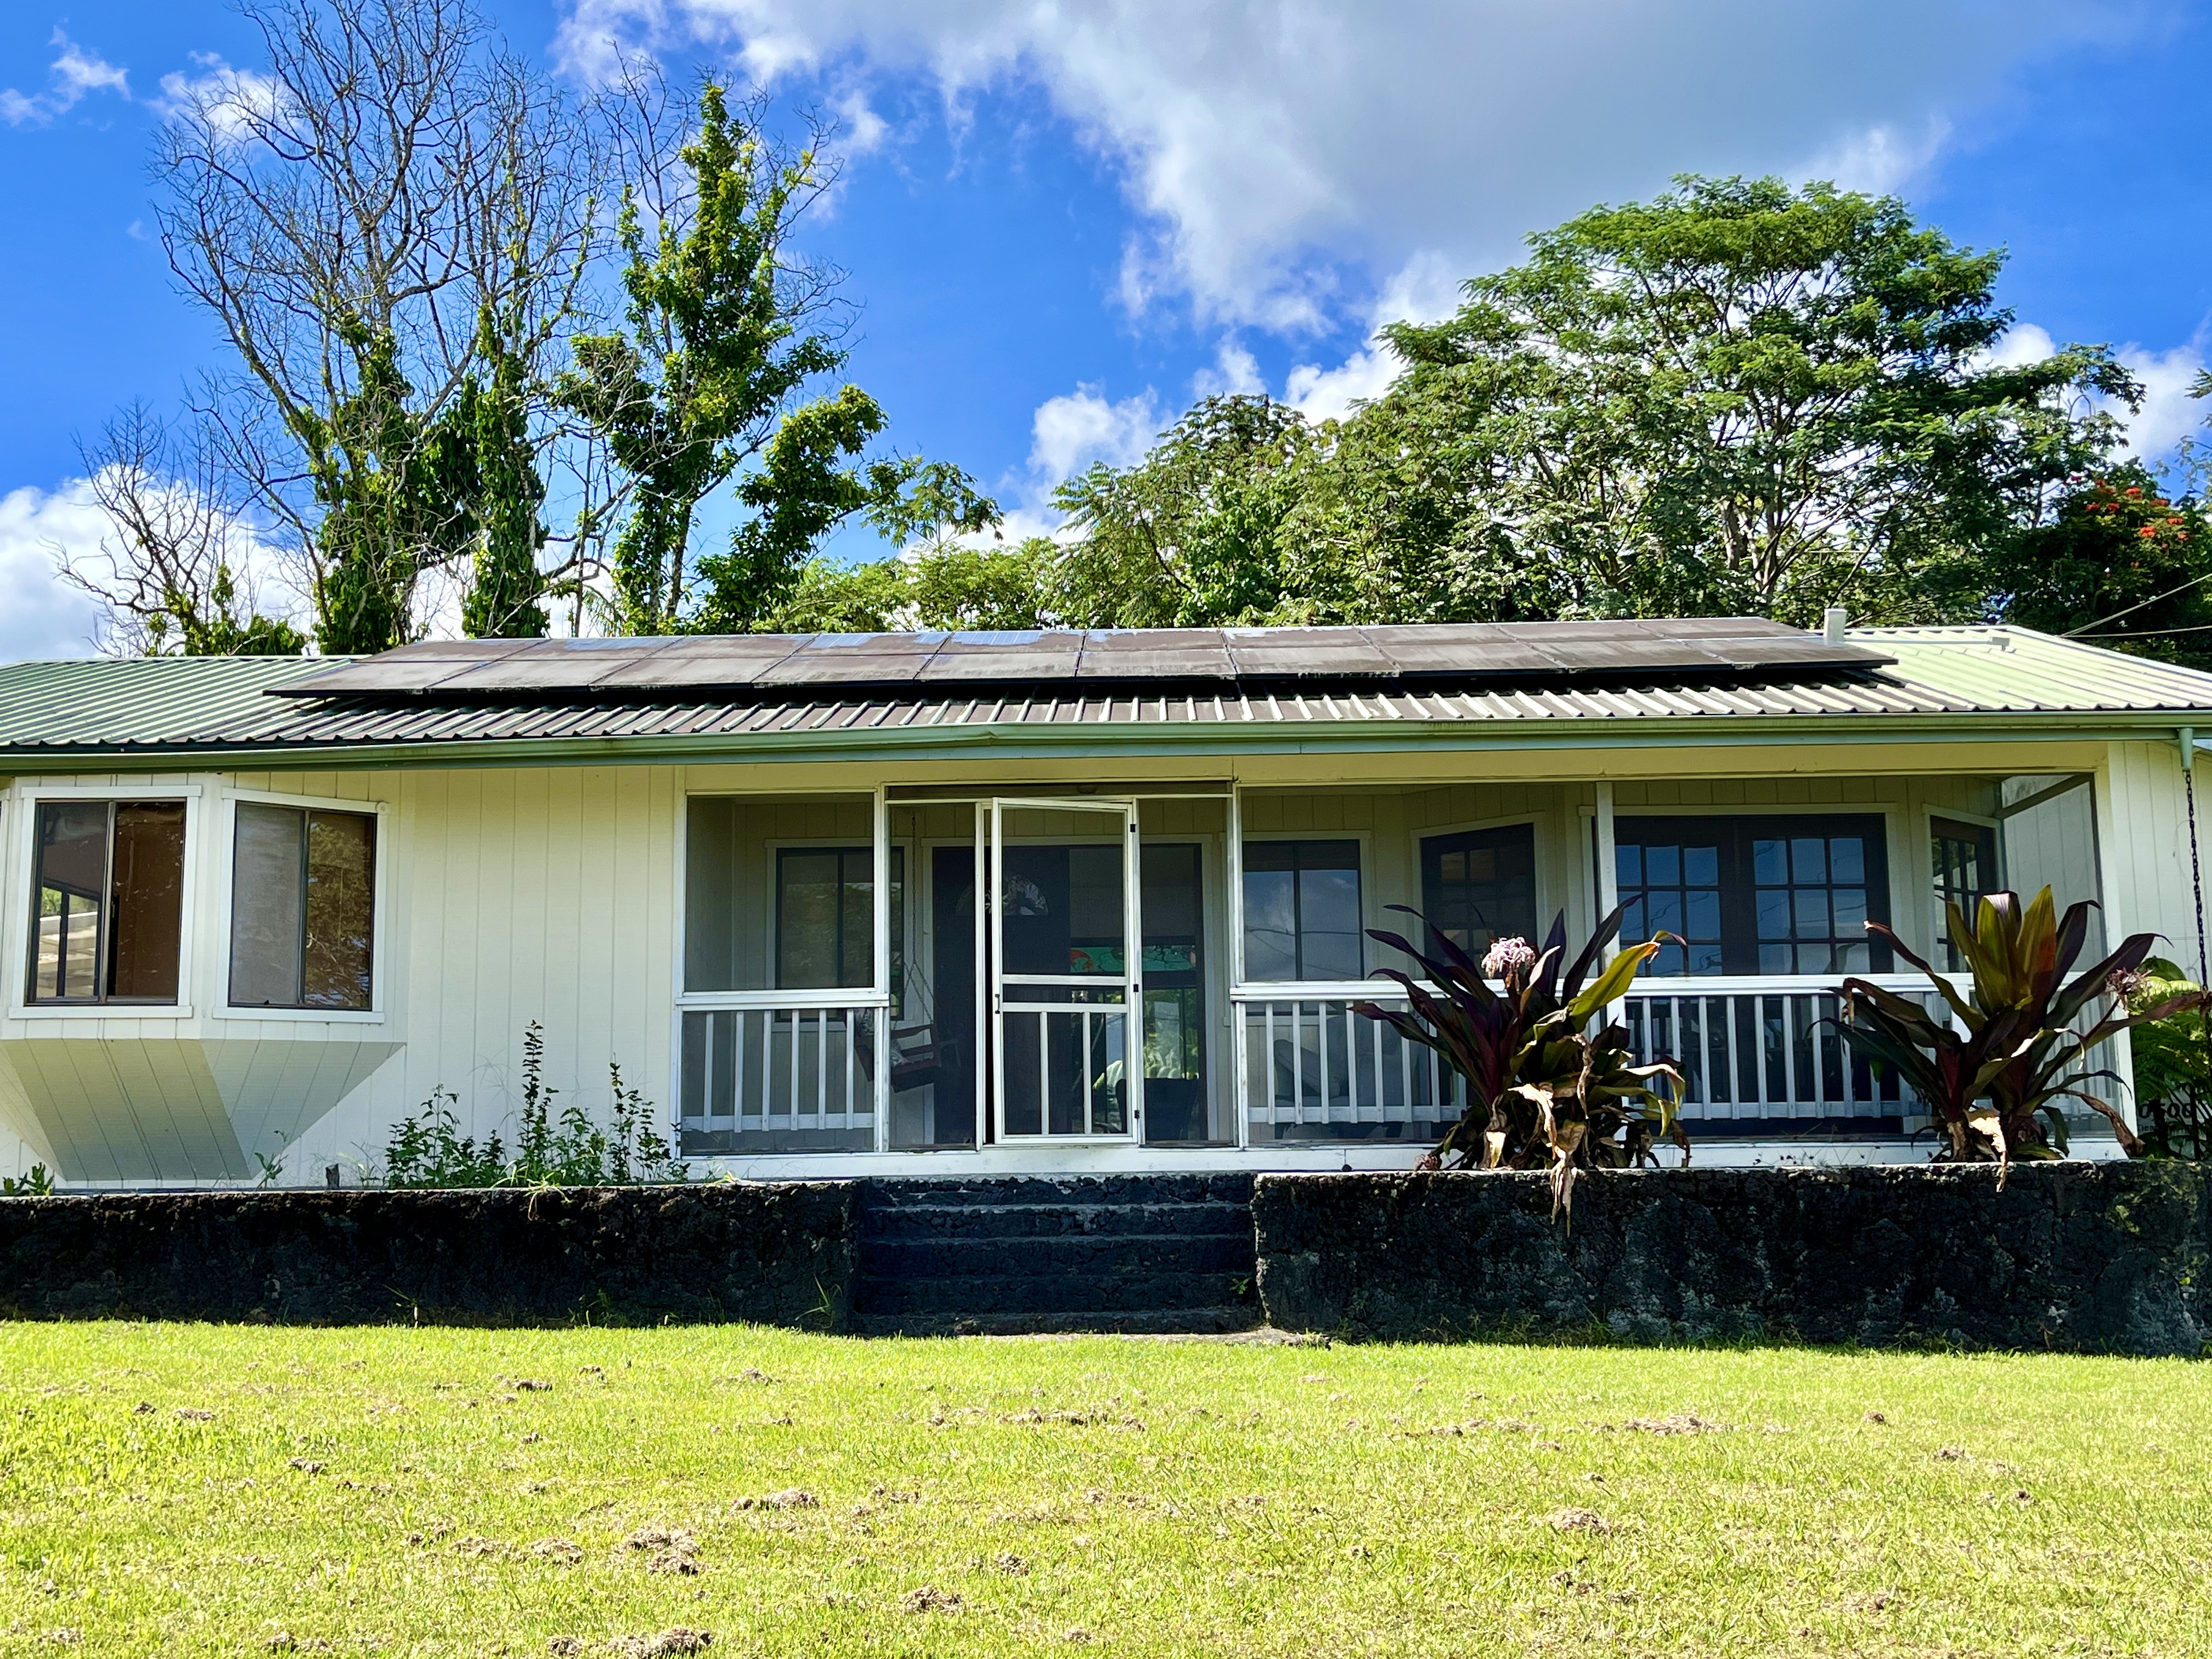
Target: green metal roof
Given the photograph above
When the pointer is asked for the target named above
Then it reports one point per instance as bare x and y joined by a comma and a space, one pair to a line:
1945, 682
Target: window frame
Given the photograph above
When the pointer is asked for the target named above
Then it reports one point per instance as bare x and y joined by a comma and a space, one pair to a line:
22, 801
1240, 921
1539, 868
220, 1006
1889, 816
683, 1000
895, 916
1938, 931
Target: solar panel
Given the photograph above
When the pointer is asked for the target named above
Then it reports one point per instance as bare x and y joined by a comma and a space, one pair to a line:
1154, 653
1688, 647
1285, 652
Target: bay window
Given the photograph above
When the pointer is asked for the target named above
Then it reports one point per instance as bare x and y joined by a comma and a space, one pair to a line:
303, 908
108, 902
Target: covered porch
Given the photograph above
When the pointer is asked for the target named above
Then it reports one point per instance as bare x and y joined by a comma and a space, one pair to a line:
1162, 972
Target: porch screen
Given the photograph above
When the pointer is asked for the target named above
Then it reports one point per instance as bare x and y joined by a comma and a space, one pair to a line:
108, 902
1755, 895
303, 908
779, 893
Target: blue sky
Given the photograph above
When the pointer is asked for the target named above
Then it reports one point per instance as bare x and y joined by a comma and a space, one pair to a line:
1063, 221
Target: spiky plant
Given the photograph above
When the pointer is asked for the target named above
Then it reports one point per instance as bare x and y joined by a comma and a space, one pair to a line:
1544, 1089
1994, 1076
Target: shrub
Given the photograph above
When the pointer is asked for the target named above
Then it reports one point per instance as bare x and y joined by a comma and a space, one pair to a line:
428, 1150
2173, 1063
1994, 1087
1544, 1090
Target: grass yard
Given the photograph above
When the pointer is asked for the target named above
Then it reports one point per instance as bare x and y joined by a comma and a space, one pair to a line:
173, 1490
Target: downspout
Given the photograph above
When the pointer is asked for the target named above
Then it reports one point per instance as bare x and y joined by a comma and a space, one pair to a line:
2195, 859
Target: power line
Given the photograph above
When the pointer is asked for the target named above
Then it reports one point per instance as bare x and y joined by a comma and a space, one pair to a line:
2194, 581
2138, 634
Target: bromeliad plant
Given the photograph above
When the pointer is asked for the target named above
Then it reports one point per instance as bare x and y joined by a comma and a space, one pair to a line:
1545, 1091
1994, 1087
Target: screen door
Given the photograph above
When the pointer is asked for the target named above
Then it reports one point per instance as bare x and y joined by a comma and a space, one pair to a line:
1063, 976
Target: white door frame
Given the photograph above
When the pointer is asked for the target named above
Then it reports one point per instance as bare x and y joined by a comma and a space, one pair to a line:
1132, 982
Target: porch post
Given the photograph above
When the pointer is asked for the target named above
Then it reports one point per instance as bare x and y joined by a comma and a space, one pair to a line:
1235, 912
885, 1013
1608, 872
986, 1036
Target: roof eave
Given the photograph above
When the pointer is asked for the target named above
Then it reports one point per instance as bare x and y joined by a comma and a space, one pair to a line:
1027, 739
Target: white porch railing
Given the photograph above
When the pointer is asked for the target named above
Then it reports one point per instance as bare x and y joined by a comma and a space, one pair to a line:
797, 1066
1764, 1046
1748, 1047
1311, 1069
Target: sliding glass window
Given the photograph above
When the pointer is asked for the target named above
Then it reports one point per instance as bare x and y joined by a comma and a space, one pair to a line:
303, 908
108, 905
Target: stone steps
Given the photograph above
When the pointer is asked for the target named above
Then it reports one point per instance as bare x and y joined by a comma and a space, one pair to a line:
1113, 1253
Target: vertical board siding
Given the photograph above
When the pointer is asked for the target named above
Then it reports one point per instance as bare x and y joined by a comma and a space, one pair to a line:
539, 893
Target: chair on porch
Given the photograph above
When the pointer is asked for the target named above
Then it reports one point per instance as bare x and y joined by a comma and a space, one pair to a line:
917, 1058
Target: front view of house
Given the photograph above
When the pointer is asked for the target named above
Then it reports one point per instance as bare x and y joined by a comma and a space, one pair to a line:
998, 903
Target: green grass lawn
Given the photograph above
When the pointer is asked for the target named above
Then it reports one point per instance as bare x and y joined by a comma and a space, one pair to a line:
168, 1490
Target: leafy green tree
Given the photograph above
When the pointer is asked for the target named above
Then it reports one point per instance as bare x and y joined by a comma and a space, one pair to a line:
948, 585
707, 379
1738, 397
505, 600
398, 490
2123, 565
1190, 536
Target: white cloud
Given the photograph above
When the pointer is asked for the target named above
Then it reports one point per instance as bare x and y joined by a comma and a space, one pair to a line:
1072, 431
1235, 373
1328, 394
73, 74
231, 100
44, 617
2022, 344
1881, 159
860, 129
2169, 413
1271, 147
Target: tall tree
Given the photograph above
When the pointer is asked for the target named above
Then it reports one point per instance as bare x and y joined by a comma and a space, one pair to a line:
349, 214
2122, 565
175, 573
1190, 536
1741, 396
505, 598
726, 334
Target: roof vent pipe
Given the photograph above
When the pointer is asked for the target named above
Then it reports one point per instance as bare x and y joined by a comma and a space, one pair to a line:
1833, 621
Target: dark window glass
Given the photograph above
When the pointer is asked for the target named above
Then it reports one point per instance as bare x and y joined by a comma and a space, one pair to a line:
1302, 915
1965, 858
303, 908
825, 929
1754, 895
1669, 880
1480, 885
107, 922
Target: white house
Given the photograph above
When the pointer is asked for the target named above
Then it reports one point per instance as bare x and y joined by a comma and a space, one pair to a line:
263, 907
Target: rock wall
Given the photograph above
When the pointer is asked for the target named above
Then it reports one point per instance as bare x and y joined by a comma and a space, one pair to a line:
781, 1253
2082, 1257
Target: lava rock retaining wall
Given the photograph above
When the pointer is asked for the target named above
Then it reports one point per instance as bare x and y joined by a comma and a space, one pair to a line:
2083, 1257
775, 1253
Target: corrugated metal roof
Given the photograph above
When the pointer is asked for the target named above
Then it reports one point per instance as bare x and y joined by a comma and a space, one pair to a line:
183, 706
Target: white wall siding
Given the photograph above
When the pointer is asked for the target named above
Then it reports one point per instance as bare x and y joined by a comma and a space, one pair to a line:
538, 894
